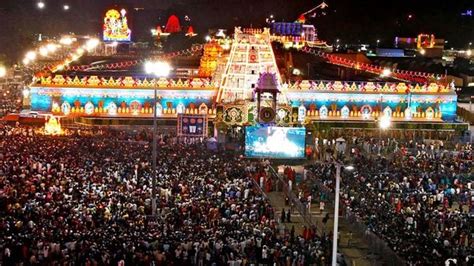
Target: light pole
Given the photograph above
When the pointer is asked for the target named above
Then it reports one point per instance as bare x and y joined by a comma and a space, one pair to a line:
336, 210
336, 215
154, 147
158, 69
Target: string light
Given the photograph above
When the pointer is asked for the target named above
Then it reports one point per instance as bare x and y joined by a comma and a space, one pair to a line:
41, 5
420, 77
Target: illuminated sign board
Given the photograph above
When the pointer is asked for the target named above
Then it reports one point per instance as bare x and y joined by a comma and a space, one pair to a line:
115, 28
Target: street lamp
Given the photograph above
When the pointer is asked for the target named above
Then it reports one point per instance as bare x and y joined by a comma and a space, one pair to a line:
26, 93
386, 72
66, 7
385, 122
43, 51
158, 69
3, 71
91, 44
336, 209
66, 40
31, 55
51, 47
41, 5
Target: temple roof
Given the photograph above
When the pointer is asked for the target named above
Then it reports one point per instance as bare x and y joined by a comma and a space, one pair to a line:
268, 82
173, 25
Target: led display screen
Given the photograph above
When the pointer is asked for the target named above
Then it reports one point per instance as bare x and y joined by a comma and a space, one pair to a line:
275, 142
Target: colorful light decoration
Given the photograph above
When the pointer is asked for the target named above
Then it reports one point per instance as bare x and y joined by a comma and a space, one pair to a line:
66, 108
425, 41
180, 108
404, 75
126, 64
345, 112
53, 127
89, 108
159, 109
136, 85
112, 108
212, 52
323, 112
173, 25
250, 55
190, 32
115, 28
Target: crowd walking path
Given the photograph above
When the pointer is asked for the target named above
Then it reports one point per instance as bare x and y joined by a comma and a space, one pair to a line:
354, 247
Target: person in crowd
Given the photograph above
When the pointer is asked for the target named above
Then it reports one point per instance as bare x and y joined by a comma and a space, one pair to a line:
85, 199
419, 200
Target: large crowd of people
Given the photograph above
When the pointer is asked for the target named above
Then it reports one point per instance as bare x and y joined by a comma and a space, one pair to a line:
419, 199
10, 99
86, 199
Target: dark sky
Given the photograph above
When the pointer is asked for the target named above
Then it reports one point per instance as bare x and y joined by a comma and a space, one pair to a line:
348, 20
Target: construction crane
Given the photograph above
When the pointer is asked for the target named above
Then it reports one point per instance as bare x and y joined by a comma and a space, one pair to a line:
312, 11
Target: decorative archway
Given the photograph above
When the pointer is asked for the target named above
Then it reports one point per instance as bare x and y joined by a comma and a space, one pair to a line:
89, 108
111, 108
345, 112
180, 108
366, 111
301, 113
135, 107
66, 108
203, 109
55, 107
159, 109
323, 111
408, 113
387, 111
429, 113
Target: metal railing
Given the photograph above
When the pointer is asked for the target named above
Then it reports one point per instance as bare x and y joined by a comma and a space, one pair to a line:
297, 204
378, 248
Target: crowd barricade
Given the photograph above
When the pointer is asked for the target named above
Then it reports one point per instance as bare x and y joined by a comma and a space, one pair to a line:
296, 203
378, 247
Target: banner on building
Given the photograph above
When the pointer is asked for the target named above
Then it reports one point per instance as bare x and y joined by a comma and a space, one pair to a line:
192, 125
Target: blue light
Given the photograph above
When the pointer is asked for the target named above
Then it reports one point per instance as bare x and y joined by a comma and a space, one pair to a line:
275, 142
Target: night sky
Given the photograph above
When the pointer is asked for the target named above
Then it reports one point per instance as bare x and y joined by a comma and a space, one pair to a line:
348, 20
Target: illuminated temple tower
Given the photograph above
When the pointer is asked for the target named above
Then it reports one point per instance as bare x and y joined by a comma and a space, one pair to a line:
212, 52
251, 54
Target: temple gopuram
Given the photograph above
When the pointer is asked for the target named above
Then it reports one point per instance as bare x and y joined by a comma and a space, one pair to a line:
223, 90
